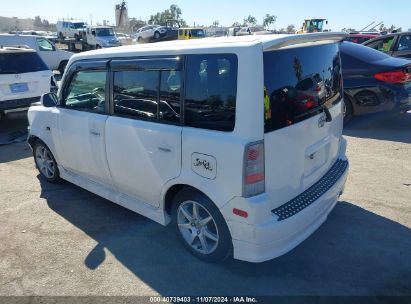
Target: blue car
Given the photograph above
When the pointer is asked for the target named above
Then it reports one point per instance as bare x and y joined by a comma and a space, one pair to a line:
374, 81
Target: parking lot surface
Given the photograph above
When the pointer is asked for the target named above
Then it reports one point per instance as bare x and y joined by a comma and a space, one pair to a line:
62, 240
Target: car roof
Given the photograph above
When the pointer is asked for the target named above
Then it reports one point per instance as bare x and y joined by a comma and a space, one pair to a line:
268, 42
16, 49
21, 36
386, 36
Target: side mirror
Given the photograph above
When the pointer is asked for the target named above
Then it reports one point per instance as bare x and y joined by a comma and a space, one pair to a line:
326, 22
49, 100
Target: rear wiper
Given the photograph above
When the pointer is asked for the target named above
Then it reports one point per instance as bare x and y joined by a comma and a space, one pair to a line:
328, 116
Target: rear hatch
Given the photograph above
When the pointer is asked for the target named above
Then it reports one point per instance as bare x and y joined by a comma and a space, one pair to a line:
23, 75
303, 130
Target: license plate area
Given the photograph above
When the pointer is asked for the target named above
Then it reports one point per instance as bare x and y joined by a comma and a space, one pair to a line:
19, 88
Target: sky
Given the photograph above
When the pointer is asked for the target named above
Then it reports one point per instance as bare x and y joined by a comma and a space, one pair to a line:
340, 14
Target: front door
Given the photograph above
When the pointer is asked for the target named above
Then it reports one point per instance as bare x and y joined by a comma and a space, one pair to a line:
81, 123
143, 134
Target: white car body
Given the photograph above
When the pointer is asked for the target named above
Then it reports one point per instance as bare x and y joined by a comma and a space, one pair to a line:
70, 29
20, 89
140, 164
52, 56
149, 32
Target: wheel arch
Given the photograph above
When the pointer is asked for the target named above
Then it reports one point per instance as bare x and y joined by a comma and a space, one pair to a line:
172, 191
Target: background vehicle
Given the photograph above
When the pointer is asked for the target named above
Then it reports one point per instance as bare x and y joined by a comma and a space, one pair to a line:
374, 81
70, 29
232, 31
150, 32
24, 77
252, 30
232, 179
190, 33
55, 58
312, 26
98, 37
360, 38
396, 45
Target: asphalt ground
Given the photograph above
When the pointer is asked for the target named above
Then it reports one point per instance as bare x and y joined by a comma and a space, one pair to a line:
60, 240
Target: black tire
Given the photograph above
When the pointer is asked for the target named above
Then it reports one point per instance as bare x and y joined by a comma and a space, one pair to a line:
139, 40
98, 47
223, 246
62, 67
156, 35
347, 110
40, 147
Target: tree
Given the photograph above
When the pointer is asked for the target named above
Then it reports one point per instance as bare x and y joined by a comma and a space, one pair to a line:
236, 24
291, 28
268, 20
174, 12
38, 22
216, 23
250, 21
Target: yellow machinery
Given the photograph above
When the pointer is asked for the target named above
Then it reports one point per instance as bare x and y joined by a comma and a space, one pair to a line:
185, 33
312, 26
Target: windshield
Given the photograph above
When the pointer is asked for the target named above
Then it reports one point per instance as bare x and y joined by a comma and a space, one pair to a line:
104, 32
257, 29
78, 25
18, 63
315, 25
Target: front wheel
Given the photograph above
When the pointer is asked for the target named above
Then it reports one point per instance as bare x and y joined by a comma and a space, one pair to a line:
200, 226
156, 35
45, 162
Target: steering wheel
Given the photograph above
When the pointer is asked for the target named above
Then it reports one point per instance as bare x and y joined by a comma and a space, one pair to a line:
100, 94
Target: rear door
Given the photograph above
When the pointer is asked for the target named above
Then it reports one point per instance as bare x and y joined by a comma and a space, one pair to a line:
143, 135
300, 144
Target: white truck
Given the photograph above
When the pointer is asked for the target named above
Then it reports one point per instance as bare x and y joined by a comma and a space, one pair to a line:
70, 29
97, 37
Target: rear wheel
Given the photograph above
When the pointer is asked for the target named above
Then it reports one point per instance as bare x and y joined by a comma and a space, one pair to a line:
200, 226
347, 109
45, 162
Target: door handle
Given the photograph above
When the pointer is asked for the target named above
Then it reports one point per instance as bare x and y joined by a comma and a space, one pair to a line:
95, 133
164, 149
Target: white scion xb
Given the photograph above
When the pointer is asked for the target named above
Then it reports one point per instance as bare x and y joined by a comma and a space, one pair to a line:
211, 135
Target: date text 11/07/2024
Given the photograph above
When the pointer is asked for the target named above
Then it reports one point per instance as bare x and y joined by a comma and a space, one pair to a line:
203, 300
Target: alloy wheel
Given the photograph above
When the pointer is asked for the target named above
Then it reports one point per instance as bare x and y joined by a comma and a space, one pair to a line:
197, 227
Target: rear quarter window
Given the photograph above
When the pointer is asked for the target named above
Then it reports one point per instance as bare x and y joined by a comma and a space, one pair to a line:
211, 91
299, 82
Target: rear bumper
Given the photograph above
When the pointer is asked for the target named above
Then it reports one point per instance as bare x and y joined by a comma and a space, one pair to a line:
279, 235
17, 103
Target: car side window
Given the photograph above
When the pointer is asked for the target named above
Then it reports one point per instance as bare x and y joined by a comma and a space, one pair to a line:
45, 45
405, 43
383, 45
137, 94
86, 92
211, 90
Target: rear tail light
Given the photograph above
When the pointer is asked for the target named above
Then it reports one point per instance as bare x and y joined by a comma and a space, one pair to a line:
318, 88
254, 176
394, 77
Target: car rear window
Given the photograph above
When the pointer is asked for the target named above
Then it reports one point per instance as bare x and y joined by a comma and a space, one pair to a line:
19, 63
299, 82
362, 53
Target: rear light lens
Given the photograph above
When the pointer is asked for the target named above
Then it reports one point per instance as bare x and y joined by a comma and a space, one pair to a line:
318, 88
254, 176
394, 77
